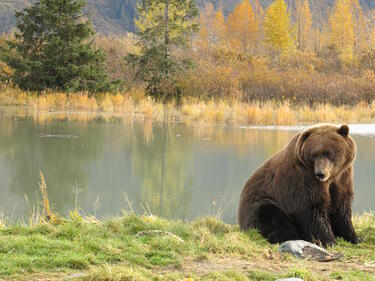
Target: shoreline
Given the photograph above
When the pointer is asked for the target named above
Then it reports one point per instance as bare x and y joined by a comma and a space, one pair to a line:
135, 106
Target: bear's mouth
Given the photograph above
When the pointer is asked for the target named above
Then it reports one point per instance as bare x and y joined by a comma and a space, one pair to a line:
322, 177
322, 180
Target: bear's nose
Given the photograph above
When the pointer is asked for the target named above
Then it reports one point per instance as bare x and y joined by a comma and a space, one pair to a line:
320, 175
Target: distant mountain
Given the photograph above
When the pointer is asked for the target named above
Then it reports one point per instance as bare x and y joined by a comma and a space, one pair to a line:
117, 16
108, 16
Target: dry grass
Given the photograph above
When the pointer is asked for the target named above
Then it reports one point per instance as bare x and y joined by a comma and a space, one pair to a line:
134, 104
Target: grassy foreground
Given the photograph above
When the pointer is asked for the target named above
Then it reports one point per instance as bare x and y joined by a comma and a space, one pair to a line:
136, 105
127, 248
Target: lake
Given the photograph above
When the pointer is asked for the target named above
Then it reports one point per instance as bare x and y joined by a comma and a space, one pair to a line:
173, 171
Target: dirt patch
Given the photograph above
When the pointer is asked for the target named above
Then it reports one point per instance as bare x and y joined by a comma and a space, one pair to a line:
39, 277
269, 262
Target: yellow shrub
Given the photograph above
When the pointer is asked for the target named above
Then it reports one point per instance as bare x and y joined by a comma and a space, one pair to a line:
117, 100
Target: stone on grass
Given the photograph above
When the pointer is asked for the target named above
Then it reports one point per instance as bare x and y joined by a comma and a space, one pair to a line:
306, 250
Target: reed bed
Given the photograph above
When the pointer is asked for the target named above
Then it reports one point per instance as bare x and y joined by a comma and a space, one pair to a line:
135, 104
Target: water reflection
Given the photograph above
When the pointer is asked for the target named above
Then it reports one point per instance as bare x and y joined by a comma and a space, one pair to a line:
172, 171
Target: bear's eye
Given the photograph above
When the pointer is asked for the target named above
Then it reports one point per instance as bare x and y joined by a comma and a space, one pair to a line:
320, 154
325, 154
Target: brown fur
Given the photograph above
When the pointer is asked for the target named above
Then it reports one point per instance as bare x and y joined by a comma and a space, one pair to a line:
305, 191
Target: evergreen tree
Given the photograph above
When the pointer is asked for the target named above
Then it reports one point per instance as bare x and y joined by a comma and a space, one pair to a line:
52, 49
164, 25
278, 31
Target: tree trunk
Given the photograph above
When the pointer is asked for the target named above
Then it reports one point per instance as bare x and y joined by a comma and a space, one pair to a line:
166, 34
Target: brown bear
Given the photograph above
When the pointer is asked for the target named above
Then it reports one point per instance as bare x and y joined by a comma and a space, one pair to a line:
305, 191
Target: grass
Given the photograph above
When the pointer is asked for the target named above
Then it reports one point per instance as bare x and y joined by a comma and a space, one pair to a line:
133, 247
134, 104
210, 250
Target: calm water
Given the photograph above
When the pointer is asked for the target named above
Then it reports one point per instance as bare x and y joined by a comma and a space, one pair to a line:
172, 171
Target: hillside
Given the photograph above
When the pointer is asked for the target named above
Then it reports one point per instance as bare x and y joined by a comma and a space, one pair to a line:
117, 16
108, 16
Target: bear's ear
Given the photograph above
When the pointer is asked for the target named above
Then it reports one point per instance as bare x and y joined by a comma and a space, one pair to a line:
344, 130
304, 136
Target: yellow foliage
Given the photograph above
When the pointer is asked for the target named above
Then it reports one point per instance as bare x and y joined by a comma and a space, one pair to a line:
360, 27
342, 28
304, 23
278, 31
206, 31
5, 70
242, 27
117, 100
219, 27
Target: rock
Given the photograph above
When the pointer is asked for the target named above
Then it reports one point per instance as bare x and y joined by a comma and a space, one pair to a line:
307, 250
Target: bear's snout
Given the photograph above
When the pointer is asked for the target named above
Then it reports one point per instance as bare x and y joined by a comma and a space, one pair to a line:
323, 168
320, 175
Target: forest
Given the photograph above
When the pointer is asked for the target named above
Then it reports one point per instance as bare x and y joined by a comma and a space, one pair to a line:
253, 53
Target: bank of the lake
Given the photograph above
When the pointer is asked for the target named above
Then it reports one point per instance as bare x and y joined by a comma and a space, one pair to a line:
150, 248
136, 105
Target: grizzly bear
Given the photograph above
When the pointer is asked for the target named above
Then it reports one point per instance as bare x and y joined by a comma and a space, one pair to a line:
305, 191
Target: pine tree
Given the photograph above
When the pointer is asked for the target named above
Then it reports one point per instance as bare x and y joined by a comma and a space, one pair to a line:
278, 31
304, 23
341, 23
242, 27
163, 25
53, 50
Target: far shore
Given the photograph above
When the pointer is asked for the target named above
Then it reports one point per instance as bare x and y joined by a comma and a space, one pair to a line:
135, 105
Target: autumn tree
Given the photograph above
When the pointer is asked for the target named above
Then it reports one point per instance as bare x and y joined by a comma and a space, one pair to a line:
360, 28
258, 10
207, 32
278, 31
341, 23
304, 23
259, 15
219, 27
163, 25
371, 40
242, 27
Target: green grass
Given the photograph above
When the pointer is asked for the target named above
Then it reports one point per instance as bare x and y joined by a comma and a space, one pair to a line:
211, 250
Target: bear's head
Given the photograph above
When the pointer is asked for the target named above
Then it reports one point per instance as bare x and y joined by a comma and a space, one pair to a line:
326, 150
